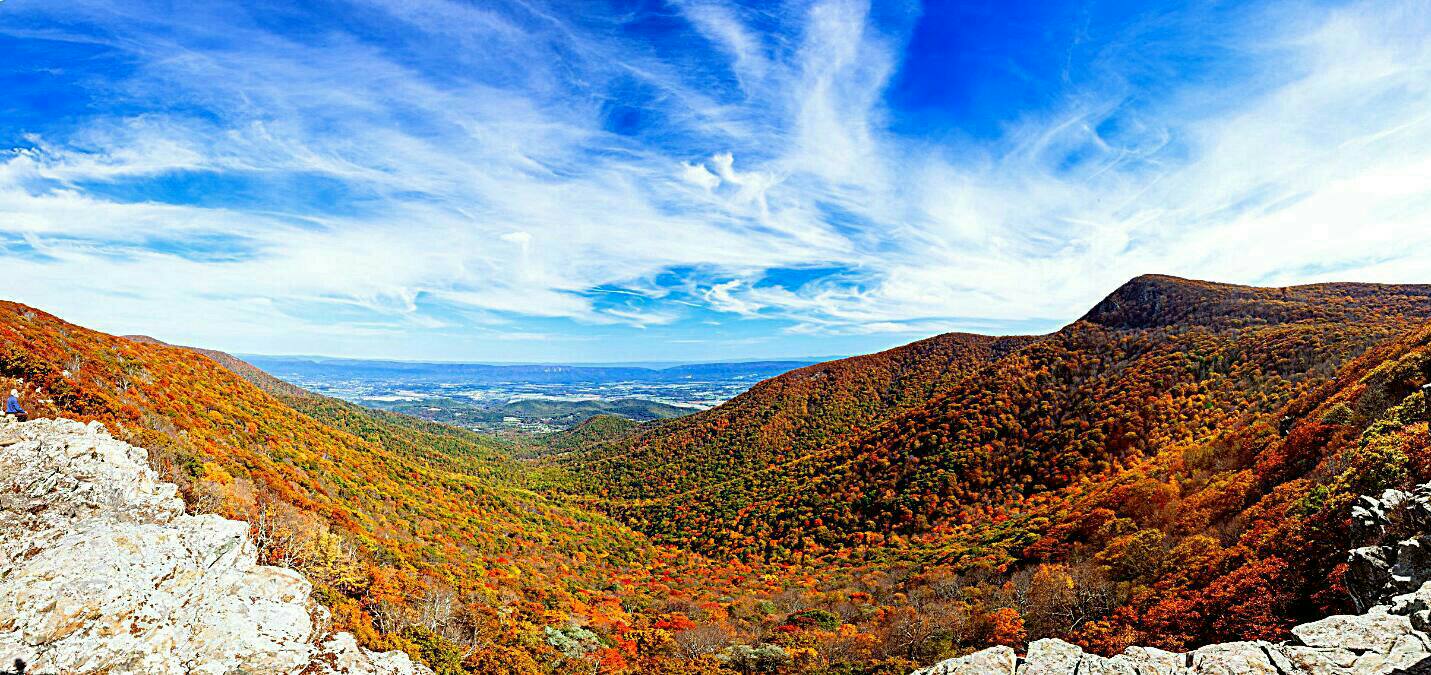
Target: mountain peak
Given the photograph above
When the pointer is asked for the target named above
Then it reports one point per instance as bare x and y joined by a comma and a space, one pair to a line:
1157, 300
1154, 300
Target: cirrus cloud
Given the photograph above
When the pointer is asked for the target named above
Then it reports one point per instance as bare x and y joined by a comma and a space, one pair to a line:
430, 173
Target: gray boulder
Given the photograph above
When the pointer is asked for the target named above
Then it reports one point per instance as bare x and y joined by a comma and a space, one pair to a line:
1375, 631
992, 661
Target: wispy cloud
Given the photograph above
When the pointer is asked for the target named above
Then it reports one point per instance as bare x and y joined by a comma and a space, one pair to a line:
258, 176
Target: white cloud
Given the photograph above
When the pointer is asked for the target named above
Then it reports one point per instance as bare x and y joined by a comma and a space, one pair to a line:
700, 176
1317, 176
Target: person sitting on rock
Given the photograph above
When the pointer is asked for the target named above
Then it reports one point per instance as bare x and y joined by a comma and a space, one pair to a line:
13, 409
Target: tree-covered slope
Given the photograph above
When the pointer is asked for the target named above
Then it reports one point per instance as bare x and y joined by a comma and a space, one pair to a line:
1239, 535
237, 366
591, 431
408, 529
1161, 362
1172, 470
779, 420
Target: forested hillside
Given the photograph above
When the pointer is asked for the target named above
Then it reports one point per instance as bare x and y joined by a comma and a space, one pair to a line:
417, 536
1162, 361
1123, 480
781, 419
255, 376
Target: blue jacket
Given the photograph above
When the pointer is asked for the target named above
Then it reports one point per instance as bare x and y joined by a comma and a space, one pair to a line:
12, 406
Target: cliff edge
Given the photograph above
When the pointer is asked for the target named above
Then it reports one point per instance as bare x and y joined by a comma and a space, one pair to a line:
102, 571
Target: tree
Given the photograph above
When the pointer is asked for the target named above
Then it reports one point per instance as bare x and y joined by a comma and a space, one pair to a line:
1006, 627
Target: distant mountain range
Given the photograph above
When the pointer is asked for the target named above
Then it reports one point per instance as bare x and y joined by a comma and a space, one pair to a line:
524, 398
320, 368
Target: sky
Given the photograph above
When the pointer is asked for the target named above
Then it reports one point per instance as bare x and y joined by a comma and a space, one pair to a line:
695, 179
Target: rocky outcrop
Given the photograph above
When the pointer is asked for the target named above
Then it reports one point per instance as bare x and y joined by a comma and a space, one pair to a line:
101, 571
1390, 576
1396, 528
1376, 643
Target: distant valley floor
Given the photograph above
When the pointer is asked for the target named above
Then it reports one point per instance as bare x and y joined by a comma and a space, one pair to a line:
534, 399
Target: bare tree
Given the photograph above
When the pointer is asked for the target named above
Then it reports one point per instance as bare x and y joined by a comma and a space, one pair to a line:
205, 497
435, 609
702, 640
389, 617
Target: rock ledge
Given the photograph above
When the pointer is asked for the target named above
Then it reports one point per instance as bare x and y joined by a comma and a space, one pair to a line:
101, 571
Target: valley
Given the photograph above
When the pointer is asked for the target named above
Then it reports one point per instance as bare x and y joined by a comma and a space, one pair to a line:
525, 399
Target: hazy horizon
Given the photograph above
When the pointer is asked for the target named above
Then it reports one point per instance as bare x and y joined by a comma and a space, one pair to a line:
655, 365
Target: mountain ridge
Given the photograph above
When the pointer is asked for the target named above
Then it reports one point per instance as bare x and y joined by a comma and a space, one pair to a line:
1152, 296
1157, 300
993, 463
256, 376
811, 402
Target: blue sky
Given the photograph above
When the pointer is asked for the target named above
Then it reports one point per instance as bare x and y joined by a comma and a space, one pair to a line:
691, 180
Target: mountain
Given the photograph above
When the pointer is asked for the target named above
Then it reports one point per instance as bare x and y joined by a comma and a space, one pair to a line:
1157, 301
413, 534
594, 430
1173, 470
781, 419
943, 432
1119, 454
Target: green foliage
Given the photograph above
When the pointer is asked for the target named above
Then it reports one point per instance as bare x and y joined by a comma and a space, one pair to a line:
573, 641
765, 658
823, 619
443, 656
1340, 413
596, 429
